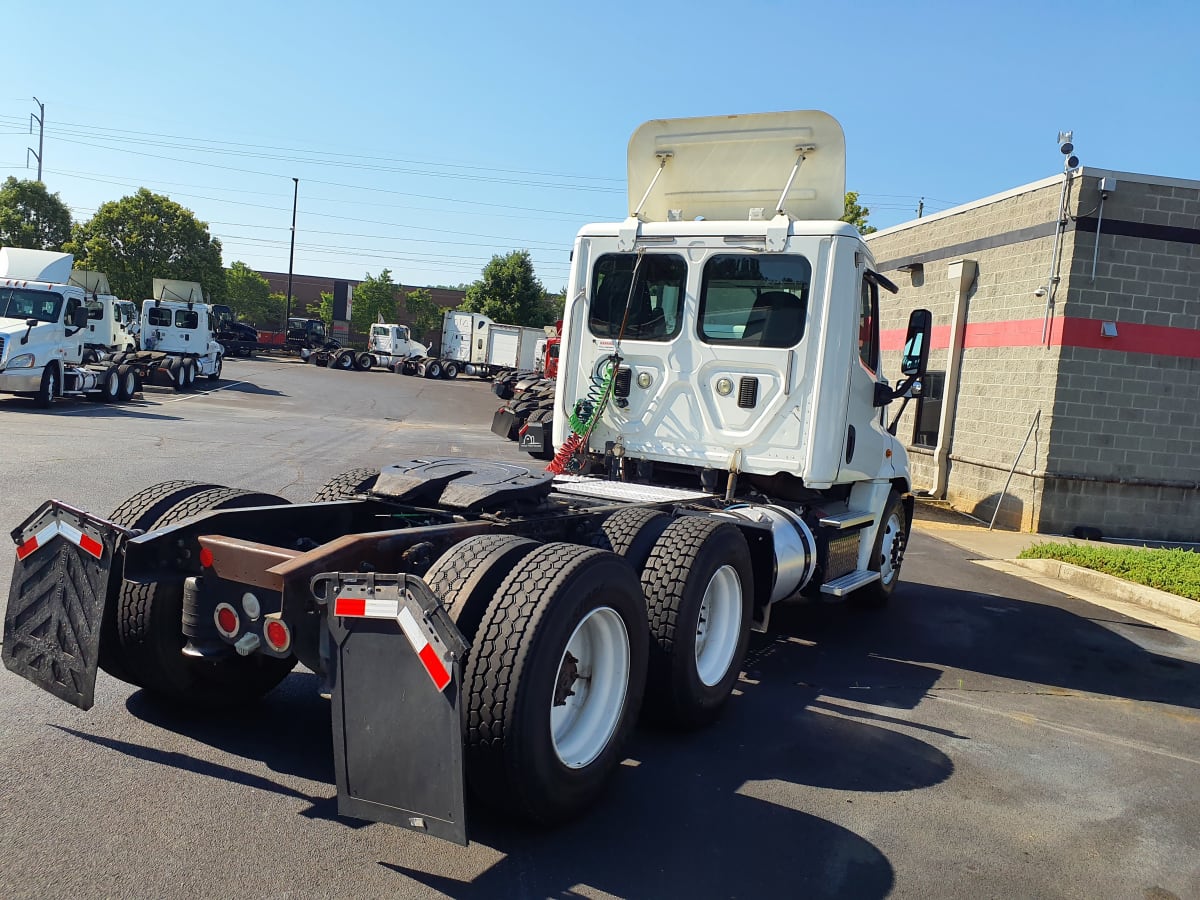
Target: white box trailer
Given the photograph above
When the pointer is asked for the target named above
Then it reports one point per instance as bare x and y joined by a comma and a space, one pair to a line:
513, 347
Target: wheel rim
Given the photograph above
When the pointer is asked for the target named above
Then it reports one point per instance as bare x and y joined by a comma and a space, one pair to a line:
129, 384
589, 691
891, 549
112, 386
718, 625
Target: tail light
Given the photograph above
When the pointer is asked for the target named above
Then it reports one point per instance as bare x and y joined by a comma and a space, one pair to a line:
277, 635
227, 620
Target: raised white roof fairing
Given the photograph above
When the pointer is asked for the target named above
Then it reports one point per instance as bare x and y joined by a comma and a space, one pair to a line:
721, 167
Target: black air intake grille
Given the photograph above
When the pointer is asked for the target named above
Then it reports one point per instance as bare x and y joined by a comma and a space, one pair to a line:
622, 381
748, 393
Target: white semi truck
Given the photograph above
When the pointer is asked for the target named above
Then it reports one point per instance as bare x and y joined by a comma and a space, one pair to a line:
722, 448
113, 323
47, 350
473, 344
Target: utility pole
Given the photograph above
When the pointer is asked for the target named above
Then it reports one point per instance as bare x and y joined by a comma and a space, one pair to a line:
291, 254
40, 116
920, 207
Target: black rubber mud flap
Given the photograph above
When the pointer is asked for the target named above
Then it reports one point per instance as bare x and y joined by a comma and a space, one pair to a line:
533, 438
56, 602
396, 690
504, 423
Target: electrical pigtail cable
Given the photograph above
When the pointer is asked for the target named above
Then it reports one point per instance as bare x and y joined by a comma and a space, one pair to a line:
586, 413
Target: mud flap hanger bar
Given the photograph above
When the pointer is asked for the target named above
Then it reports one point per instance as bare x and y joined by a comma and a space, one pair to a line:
396, 686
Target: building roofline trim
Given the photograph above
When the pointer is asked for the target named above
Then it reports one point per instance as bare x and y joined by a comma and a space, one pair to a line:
1160, 180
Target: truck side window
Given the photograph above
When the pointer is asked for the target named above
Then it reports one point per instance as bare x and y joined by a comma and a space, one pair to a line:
754, 301
868, 325
656, 301
95, 309
187, 318
160, 316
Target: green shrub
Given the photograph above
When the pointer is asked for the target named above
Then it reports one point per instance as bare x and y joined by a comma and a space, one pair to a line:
1176, 571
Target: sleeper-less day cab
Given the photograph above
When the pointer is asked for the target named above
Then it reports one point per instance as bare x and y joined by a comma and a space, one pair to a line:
720, 446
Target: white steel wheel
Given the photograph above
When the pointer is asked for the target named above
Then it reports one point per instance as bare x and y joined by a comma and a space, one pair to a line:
891, 548
189, 367
589, 692
718, 628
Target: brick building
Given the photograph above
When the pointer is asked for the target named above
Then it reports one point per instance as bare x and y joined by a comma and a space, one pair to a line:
307, 289
1075, 346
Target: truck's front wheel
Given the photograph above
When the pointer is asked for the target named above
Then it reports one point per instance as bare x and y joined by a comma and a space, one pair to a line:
554, 681
49, 387
887, 554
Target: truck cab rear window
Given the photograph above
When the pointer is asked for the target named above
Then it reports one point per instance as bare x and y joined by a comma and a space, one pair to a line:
654, 299
754, 301
160, 316
187, 318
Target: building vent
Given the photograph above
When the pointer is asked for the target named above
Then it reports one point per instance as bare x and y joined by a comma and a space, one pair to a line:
748, 393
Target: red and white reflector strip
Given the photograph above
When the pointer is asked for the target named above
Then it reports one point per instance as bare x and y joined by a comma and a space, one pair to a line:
370, 608
80, 539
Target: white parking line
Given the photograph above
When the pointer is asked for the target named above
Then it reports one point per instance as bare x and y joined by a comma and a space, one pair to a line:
223, 387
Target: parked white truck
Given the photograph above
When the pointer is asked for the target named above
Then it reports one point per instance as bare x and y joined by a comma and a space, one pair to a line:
113, 323
388, 345
473, 344
47, 350
720, 424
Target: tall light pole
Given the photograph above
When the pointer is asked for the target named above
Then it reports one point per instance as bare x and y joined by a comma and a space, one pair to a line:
291, 253
40, 116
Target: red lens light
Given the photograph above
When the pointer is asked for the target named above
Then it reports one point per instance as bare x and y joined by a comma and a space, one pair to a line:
227, 620
206, 557
277, 635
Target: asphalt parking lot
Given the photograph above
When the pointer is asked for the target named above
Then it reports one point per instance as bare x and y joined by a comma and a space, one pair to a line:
984, 736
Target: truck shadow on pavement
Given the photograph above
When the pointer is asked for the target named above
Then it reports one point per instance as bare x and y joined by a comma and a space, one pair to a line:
86, 410
717, 813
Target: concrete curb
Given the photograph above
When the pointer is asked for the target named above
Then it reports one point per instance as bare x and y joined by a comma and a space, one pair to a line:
1118, 588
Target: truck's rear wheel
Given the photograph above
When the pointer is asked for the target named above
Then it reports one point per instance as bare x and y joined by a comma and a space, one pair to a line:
344, 360
149, 626
110, 385
554, 681
699, 588
466, 577
632, 533
887, 555
450, 371
189, 367
127, 383
178, 374
433, 369
364, 361
346, 486
140, 511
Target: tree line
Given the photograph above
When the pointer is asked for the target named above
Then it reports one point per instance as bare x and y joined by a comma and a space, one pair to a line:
147, 235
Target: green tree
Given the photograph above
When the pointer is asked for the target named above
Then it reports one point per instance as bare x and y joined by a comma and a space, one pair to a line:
325, 308
146, 236
424, 316
508, 292
374, 297
32, 217
553, 306
857, 215
275, 310
249, 295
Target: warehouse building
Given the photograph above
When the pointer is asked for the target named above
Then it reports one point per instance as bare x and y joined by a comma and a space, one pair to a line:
1064, 383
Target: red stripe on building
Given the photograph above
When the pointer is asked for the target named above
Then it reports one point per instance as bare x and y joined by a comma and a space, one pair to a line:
433, 665
1069, 331
350, 606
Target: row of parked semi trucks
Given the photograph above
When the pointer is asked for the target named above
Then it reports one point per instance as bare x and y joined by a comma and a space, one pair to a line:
471, 344
63, 334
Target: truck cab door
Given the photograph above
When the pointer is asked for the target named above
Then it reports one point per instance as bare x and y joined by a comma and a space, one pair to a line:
864, 451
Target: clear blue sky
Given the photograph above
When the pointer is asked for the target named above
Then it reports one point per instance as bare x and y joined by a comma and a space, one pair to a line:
428, 137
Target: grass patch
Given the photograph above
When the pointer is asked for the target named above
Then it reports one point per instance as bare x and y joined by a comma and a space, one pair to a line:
1176, 571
